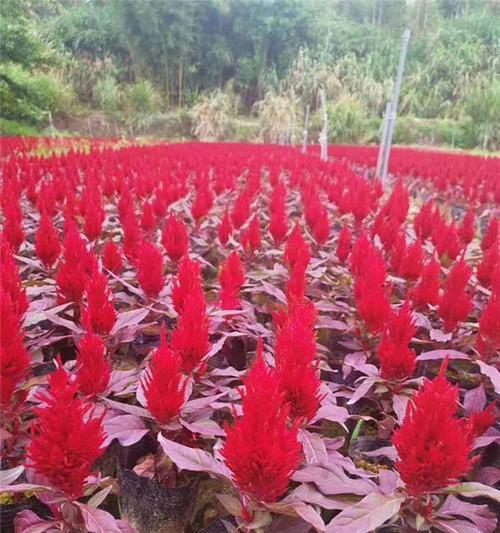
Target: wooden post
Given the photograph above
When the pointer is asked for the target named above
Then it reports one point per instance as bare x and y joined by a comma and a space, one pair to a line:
306, 125
394, 105
383, 139
323, 138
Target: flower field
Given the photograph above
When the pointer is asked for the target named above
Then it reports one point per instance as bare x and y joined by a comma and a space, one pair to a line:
236, 337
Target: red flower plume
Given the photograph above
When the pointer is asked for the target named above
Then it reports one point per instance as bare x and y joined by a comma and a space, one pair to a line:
14, 360
190, 339
93, 368
397, 360
112, 257
150, 269
231, 278
225, 229
187, 284
251, 239
456, 303
99, 315
261, 450
433, 445
175, 238
163, 384
47, 244
488, 337
297, 250
427, 289
67, 439
10, 281
344, 244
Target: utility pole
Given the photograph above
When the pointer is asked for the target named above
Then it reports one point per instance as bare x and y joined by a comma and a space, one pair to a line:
323, 138
306, 125
391, 121
383, 138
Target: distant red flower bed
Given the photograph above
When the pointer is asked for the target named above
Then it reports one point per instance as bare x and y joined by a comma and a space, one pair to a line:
236, 337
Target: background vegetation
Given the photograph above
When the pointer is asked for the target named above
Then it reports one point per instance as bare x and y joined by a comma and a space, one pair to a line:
240, 68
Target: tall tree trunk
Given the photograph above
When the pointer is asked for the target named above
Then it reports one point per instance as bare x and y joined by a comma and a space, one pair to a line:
181, 81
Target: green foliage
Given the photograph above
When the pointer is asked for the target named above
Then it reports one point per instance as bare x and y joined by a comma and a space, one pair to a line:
345, 120
107, 94
212, 116
142, 98
143, 56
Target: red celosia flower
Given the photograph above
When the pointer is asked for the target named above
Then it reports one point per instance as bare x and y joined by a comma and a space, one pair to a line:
93, 368
446, 240
397, 360
47, 246
489, 264
148, 218
175, 238
99, 315
488, 337
490, 235
251, 239
225, 229
13, 224
163, 384
433, 445
10, 280
231, 278
426, 291
14, 360
71, 275
67, 439
297, 250
131, 236
424, 220
150, 269
190, 339
297, 366
456, 303
344, 244
261, 450
481, 421
94, 216
241, 209
187, 284
467, 230
411, 263
112, 257
202, 203
278, 225
370, 292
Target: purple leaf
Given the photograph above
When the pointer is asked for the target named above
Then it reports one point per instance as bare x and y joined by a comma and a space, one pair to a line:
389, 481
326, 322
59, 321
231, 504
386, 451
475, 400
128, 429
27, 521
441, 354
300, 509
489, 475
472, 490
97, 520
366, 515
440, 336
130, 409
331, 412
9, 476
206, 427
362, 390
308, 493
334, 480
399, 404
129, 319
492, 373
455, 526
273, 291
313, 447
478, 514
193, 459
